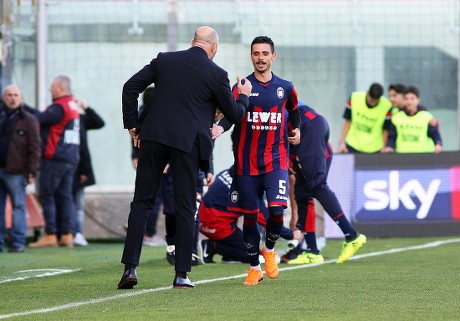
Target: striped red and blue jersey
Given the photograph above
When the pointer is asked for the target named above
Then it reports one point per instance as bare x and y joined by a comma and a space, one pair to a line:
260, 140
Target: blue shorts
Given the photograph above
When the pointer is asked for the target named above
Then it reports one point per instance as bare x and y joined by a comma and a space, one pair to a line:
246, 193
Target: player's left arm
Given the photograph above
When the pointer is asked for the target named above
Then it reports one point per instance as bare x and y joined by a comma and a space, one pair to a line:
294, 118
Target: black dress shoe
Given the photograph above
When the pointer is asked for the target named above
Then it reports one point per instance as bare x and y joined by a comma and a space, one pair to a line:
128, 279
15, 250
182, 283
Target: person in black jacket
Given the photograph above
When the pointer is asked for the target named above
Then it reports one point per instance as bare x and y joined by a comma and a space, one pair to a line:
19, 161
60, 134
84, 175
175, 128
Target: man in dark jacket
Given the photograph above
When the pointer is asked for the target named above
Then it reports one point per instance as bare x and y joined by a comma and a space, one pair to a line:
175, 128
19, 162
84, 175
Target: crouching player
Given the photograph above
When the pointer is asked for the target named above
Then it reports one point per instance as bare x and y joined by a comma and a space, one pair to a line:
220, 225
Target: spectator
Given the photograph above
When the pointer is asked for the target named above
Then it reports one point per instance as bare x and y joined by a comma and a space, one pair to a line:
367, 117
19, 162
60, 131
414, 130
84, 174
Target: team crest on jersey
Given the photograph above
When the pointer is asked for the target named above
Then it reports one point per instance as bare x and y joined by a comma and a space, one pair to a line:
234, 196
280, 92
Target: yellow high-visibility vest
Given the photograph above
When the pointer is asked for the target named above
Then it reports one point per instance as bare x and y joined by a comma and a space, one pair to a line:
366, 127
412, 132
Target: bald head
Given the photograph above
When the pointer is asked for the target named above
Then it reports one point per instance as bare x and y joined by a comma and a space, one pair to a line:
206, 34
11, 96
207, 38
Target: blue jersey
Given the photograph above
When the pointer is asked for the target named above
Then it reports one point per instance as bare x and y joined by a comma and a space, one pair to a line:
313, 155
260, 140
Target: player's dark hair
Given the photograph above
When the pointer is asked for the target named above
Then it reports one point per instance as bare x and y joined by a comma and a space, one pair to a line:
263, 39
399, 88
375, 91
412, 90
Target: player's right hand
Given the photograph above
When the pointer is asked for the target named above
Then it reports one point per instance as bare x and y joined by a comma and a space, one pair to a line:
245, 88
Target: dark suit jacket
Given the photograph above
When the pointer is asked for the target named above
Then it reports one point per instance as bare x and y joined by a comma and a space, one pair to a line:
189, 87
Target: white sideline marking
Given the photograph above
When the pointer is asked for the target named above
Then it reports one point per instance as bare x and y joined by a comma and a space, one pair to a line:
140, 292
45, 273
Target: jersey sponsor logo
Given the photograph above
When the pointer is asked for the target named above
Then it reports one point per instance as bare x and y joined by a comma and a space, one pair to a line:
234, 196
280, 92
264, 117
363, 128
410, 126
226, 179
264, 120
254, 95
281, 197
410, 138
257, 127
366, 117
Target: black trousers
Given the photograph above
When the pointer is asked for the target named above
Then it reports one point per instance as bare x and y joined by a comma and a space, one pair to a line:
153, 157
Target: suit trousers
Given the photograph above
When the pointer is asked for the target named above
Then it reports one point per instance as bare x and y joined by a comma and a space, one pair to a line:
153, 158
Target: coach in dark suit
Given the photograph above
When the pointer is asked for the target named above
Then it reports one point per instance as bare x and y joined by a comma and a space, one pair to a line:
175, 128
